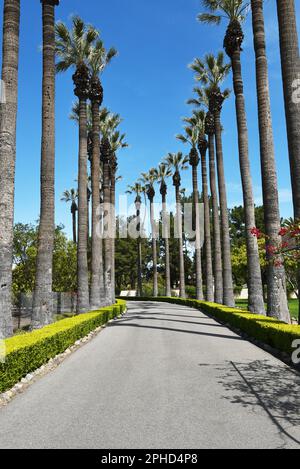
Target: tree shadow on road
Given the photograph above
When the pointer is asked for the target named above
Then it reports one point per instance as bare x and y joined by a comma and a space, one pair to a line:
127, 323
151, 318
272, 387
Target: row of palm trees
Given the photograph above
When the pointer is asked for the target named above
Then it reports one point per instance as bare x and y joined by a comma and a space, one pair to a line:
210, 74
81, 50
235, 12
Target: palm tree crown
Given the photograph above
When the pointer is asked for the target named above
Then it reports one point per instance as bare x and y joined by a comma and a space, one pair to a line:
162, 173
230, 9
177, 161
99, 57
212, 70
73, 48
70, 196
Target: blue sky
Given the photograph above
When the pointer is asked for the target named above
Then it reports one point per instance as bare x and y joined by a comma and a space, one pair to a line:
148, 84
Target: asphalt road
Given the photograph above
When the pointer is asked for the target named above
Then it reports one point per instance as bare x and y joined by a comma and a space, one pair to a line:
163, 376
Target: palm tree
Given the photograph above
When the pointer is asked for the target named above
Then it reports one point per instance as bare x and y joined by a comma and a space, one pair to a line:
73, 49
106, 158
235, 11
276, 281
199, 120
203, 100
99, 58
177, 163
148, 180
138, 190
72, 196
212, 72
112, 142
191, 136
290, 64
8, 120
42, 297
74, 115
117, 143
161, 174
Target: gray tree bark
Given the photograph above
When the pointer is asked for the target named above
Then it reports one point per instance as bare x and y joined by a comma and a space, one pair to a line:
106, 160
276, 281
8, 119
42, 313
96, 281
180, 240
228, 294
82, 85
154, 245
233, 46
166, 241
207, 233
199, 285
217, 257
290, 64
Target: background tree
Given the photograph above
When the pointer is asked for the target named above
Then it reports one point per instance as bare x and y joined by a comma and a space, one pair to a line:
71, 196
25, 255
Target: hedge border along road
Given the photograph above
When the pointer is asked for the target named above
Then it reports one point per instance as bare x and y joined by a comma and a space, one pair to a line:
269, 331
27, 352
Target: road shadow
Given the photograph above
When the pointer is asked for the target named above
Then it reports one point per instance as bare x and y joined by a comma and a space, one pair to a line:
122, 323
151, 318
266, 385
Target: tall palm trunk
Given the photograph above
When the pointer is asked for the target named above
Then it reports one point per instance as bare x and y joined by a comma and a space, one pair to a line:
217, 251
177, 182
151, 195
42, 313
96, 97
106, 159
139, 248
114, 167
8, 118
165, 232
290, 64
81, 80
228, 294
74, 222
232, 44
276, 281
203, 145
194, 162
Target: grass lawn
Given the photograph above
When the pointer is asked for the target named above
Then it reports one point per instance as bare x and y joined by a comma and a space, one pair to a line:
293, 304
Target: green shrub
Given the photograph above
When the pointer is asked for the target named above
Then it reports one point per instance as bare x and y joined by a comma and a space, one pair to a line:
270, 331
27, 352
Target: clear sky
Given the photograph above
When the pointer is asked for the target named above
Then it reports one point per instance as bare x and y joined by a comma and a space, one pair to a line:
148, 84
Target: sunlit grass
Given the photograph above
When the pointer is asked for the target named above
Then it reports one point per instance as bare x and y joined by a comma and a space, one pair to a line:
293, 305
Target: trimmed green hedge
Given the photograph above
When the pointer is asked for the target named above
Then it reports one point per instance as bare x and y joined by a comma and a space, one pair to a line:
270, 331
27, 352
